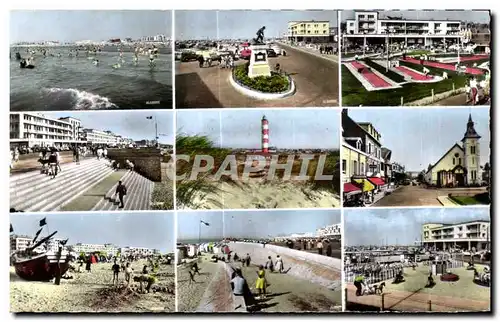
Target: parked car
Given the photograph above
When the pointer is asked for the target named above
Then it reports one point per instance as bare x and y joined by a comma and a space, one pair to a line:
271, 53
276, 49
188, 56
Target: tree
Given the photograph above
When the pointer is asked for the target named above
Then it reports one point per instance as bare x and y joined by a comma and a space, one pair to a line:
420, 177
487, 166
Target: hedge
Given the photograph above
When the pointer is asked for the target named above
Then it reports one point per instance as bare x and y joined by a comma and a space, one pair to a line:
276, 83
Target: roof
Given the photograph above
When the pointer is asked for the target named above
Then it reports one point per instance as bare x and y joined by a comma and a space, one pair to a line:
386, 153
455, 224
444, 155
360, 124
470, 133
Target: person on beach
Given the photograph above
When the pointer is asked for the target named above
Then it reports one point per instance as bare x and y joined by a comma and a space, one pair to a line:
328, 249
247, 260
319, 246
270, 264
128, 273
88, 266
116, 270
279, 264
121, 191
261, 282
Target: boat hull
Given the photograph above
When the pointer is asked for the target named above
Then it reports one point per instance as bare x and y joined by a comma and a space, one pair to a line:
41, 268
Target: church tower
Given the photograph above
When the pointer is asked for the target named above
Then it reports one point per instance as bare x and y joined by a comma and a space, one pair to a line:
472, 159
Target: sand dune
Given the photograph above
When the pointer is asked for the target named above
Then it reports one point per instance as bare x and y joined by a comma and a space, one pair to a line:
255, 194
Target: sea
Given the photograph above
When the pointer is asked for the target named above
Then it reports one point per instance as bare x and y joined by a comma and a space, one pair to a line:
75, 83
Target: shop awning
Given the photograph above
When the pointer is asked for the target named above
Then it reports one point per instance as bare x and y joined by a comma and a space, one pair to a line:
377, 181
351, 188
367, 185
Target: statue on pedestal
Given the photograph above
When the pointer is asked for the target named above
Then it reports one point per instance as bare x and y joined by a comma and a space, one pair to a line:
260, 36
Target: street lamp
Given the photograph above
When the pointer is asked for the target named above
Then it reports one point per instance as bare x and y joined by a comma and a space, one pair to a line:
156, 128
388, 43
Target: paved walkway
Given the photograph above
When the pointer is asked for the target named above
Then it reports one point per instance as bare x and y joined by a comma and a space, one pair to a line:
417, 196
447, 202
333, 58
316, 80
415, 301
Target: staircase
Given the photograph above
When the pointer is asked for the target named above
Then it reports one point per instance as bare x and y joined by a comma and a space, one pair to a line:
139, 191
34, 191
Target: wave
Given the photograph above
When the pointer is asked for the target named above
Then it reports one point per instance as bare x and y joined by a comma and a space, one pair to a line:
81, 100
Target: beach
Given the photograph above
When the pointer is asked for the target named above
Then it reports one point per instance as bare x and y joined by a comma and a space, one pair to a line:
255, 194
92, 292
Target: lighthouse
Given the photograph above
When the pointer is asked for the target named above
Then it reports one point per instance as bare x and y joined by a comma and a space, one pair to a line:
265, 135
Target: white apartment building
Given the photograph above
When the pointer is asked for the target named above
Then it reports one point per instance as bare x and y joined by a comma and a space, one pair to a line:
110, 249
466, 235
141, 251
329, 231
369, 24
93, 136
20, 243
30, 129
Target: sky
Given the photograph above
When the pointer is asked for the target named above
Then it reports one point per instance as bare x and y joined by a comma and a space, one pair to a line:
260, 224
418, 137
242, 24
130, 124
189, 225
151, 230
314, 129
97, 25
401, 226
480, 16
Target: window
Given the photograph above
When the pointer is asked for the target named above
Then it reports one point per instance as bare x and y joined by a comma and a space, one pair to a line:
355, 167
344, 165
362, 170
460, 161
453, 161
473, 160
472, 149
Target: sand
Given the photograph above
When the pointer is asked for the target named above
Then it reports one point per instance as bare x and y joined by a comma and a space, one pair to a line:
255, 194
192, 296
91, 292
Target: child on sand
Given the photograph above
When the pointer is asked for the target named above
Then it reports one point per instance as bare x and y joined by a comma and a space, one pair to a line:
128, 273
261, 282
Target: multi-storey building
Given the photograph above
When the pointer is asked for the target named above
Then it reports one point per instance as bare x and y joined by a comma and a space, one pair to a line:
140, 251
309, 31
109, 249
36, 129
20, 243
93, 136
425, 32
464, 235
366, 165
329, 231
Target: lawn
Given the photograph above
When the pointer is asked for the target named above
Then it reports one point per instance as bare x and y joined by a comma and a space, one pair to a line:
390, 74
355, 94
480, 199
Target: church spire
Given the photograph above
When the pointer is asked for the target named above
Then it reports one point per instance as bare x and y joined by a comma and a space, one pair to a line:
470, 133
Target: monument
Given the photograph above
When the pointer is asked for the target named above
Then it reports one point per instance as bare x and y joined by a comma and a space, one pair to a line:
259, 64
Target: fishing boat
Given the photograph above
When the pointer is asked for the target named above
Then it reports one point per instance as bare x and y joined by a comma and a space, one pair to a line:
33, 265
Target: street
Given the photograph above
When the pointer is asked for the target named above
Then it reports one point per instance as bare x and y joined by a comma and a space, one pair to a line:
316, 80
416, 196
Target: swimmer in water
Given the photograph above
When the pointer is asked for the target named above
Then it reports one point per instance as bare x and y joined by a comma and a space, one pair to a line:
136, 60
151, 59
96, 62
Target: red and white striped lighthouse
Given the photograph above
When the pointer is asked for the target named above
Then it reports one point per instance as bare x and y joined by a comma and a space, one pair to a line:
265, 135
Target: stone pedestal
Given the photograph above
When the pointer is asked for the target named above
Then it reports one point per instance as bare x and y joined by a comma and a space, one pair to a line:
259, 64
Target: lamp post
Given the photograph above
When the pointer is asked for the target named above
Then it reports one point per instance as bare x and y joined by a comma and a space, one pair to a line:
388, 43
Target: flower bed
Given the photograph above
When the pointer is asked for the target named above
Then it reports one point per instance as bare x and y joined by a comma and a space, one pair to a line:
449, 277
276, 83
